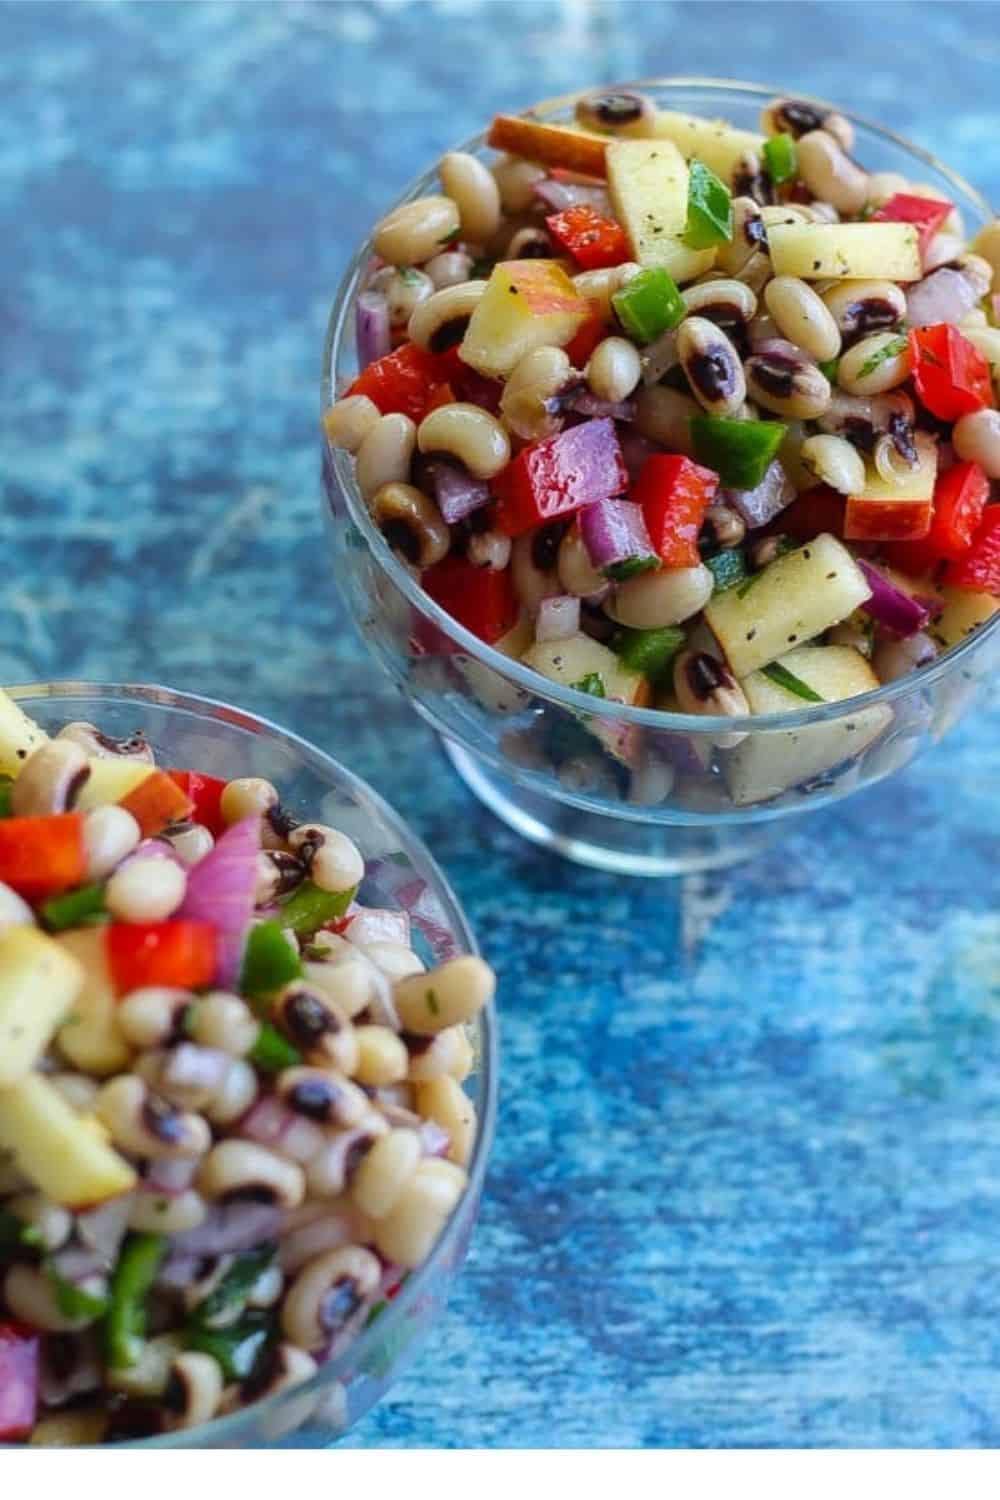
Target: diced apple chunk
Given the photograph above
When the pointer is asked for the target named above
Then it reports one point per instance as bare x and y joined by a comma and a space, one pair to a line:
796, 598
768, 762
19, 735
895, 509
964, 611
648, 186
492, 690
720, 146
110, 781
89, 1037
527, 303
572, 662
840, 252
39, 981
65, 1155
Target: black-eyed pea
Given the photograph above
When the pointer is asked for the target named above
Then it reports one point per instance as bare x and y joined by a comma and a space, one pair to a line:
534, 381
704, 685
194, 1389
978, 272
489, 549
454, 992
787, 384
875, 364
830, 174
407, 1235
236, 1169
384, 1172
749, 237
144, 1124
977, 439
448, 1054
50, 780
835, 462
415, 231
14, 910
516, 180
329, 1295
725, 301
446, 1102
667, 597
145, 890
324, 1096
529, 243
191, 844
385, 454
616, 112
317, 1026
862, 307
802, 317
885, 185
987, 245
613, 370
787, 115
724, 525
100, 746
471, 186
394, 960
51, 1225
331, 1170
600, 286
895, 659
411, 524
467, 433
332, 861
712, 366
153, 1213
30, 1296
449, 268
404, 289
439, 323
382, 1057
349, 421
281, 1369
664, 416
350, 982
235, 1094
577, 573
247, 797
224, 1022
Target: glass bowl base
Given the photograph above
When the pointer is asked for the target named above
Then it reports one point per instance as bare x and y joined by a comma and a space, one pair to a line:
622, 845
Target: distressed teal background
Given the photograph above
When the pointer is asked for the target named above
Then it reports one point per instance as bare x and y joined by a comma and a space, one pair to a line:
747, 1184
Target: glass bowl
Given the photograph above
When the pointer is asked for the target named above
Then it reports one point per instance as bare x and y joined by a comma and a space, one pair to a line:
669, 801
213, 737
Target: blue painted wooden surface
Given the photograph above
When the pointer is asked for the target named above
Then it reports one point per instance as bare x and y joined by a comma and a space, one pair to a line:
747, 1184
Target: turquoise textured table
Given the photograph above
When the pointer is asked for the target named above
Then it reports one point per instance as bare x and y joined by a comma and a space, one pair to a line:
747, 1181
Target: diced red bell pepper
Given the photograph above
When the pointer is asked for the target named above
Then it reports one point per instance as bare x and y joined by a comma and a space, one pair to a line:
675, 494
481, 599
560, 475
814, 511
41, 857
951, 376
156, 803
407, 381
979, 569
19, 1346
205, 794
960, 497
592, 239
928, 214
587, 337
180, 954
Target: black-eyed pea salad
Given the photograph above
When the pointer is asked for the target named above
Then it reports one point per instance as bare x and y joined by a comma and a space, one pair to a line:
232, 1114
682, 415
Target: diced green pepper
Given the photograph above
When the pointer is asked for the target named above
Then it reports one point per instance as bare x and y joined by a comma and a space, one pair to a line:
829, 368
309, 907
271, 1052
739, 452
781, 159
727, 568
650, 652
649, 304
710, 209
269, 961
236, 1348
227, 1299
72, 1300
125, 1319
82, 908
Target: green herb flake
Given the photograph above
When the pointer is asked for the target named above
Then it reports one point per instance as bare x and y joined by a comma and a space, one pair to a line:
783, 678
888, 351
593, 684
630, 567
72, 1300
830, 367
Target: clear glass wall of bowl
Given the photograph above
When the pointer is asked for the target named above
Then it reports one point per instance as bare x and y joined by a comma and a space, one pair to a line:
630, 790
195, 733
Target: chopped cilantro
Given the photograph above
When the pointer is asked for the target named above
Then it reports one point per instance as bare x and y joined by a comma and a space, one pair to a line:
888, 351
782, 678
593, 684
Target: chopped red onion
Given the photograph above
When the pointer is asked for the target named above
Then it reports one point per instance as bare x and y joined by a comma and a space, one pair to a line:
761, 505
613, 532
270, 1123
170, 1178
372, 328
477, 389
457, 492
416, 897
589, 405
659, 357
896, 611
559, 195
230, 1227
378, 925
103, 1229
434, 1139
328, 1229
220, 890
558, 618
945, 296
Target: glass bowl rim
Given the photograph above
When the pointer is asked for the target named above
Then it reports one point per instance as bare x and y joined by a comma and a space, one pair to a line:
339, 329
214, 708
